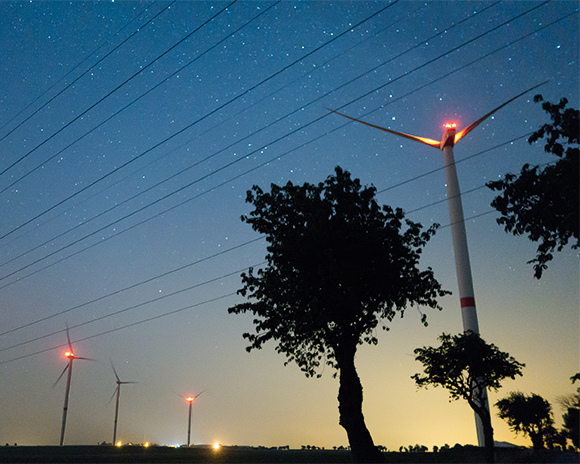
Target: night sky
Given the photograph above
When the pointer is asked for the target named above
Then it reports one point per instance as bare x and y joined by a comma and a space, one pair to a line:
130, 132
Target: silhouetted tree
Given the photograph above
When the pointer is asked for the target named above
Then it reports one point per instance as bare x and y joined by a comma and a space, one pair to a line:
544, 203
337, 263
467, 366
531, 415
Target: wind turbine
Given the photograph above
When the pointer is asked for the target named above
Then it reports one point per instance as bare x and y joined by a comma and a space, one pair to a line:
458, 234
190, 400
118, 393
71, 357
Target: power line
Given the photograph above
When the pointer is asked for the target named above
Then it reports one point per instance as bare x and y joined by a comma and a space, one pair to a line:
139, 29
198, 120
223, 167
117, 205
126, 326
105, 97
129, 308
130, 287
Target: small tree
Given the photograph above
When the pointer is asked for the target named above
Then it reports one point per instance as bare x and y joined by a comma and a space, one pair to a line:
337, 264
544, 203
467, 366
571, 418
531, 415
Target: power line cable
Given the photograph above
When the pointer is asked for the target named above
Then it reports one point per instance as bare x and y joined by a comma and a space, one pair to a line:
129, 308
106, 96
197, 121
223, 167
142, 192
139, 29
479, 215
130, 287
126, 326
126, 107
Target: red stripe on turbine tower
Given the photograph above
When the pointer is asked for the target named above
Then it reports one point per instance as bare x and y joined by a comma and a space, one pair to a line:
467, 302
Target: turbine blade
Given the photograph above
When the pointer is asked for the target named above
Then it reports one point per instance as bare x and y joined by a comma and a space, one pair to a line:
463, 132
198, 394
424, 140
68, 339
112, 396
86, 359
118, 379
60, 376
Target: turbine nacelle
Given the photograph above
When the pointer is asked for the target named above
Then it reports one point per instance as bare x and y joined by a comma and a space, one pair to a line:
448, 139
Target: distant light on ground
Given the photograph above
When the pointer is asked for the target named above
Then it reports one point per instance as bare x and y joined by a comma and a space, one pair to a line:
216, 446
146, 445
119, 444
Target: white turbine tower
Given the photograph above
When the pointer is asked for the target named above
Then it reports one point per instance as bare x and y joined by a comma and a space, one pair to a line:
118, 393
71, 357
190, 400
459, 236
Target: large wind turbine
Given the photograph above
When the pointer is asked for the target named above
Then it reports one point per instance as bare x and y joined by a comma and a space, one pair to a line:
118, 393
71, 357
459, 236
190, 400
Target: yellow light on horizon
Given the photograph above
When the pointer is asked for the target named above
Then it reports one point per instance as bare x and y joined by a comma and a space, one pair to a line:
119, 444
216, 446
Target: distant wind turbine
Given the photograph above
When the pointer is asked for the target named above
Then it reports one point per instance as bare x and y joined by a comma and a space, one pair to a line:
71, 357
118, 393
459, 236
190, 400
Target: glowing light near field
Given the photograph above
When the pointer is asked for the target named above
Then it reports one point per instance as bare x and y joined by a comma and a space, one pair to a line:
119, 444
146, 445
216, 446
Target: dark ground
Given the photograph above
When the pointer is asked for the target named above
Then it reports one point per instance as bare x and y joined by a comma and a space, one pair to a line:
235, 454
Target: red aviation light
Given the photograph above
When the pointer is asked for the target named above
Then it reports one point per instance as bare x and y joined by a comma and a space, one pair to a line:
450, 125
190, 399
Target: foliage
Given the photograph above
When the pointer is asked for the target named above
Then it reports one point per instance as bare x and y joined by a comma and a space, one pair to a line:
462, 361
467, 366
571, 418
531, 415
544, 203
337, 265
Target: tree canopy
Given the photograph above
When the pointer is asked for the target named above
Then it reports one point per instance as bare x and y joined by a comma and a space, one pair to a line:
467, 366
531, 415
337, 265
543, 203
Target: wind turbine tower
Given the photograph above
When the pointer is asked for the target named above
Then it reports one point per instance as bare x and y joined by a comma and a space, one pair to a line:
118, 393
190, 400
71, 357
458, 234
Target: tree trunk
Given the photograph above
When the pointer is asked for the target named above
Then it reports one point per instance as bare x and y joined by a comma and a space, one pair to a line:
350, 398
488, 438
485, 417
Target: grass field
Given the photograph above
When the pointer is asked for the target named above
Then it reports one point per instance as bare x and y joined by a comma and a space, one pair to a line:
235, 454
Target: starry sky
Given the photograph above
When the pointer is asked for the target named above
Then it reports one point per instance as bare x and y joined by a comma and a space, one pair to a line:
130, 132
